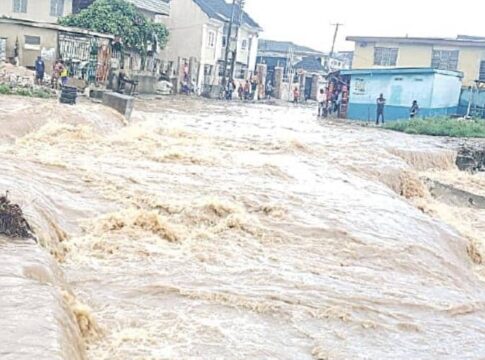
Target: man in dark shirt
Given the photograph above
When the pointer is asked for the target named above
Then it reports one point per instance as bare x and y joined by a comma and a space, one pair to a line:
39, 70
381, 103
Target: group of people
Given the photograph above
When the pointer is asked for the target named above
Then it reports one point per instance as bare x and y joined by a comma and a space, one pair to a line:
328, 104
60, 72
248, 90
381, 103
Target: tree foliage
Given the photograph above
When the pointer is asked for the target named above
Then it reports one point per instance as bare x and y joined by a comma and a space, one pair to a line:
122, 19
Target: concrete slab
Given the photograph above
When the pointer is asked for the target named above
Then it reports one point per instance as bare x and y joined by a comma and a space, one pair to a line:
96, 93
121, 103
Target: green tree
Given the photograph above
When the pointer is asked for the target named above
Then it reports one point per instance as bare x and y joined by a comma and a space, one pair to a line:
122, 19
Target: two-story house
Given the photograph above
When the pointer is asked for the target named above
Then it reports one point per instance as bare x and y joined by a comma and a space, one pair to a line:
47, 11
291, 56
464, 53
198, 30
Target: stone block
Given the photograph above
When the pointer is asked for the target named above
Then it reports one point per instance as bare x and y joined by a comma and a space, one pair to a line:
121, 103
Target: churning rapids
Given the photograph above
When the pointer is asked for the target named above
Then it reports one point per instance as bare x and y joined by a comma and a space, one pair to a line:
208, 230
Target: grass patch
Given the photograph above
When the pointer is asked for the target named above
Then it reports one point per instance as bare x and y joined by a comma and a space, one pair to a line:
440, 127
38, 93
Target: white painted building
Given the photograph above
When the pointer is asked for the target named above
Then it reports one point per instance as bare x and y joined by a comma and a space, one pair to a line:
198, 30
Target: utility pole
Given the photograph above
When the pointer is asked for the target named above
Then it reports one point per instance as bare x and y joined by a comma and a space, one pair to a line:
228, 42
337, 26
240, 6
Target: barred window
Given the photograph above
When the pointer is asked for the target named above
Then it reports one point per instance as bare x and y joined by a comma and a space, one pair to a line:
57, 7
385, 56
445, 59
19, 6
482, 71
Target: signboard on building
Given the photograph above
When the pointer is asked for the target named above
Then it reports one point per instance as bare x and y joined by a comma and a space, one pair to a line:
359, 87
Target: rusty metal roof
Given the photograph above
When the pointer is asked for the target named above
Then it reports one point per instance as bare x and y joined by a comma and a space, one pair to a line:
159, 7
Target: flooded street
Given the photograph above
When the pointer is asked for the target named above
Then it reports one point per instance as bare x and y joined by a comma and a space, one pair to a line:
212, 230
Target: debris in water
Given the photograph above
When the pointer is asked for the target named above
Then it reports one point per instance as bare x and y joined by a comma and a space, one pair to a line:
12, 221
471, 157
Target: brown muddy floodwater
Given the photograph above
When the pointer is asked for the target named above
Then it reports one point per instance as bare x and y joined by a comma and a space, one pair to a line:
208, 230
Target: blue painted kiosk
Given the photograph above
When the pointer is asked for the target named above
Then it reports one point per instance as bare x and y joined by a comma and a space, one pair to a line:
437, 92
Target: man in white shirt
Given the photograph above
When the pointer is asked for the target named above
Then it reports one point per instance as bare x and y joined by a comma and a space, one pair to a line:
322, 103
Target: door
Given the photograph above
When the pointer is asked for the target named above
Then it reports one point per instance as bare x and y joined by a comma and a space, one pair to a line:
3, 49
308, 87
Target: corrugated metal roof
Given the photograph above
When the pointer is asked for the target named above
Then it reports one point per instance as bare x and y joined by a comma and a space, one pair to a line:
159, 7
284, 47
220, 10
41, 25
310, 64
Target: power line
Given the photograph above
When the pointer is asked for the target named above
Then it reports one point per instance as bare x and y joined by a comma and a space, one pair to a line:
228, 42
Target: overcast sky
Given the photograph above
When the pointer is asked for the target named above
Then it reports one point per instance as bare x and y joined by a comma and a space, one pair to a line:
307, 22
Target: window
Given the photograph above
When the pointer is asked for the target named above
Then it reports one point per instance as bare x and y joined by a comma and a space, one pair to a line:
244, 45
445, 59
224, 41
19, 6
385, 56
220, 67
481, 76
32, 42
240, 71
208, 70
57, 8
212, 39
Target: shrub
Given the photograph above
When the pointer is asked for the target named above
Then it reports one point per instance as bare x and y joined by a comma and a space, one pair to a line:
440, 127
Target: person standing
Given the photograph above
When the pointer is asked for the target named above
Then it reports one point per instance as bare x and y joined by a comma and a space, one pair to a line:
64, 73
39, 70
247, 90
230, 89
56, 73
322, 103
413, 112
381, 103
338, 104
254, 87
269, 90
296, 95
240, 92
